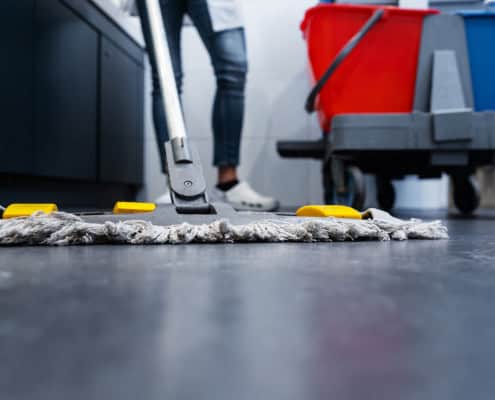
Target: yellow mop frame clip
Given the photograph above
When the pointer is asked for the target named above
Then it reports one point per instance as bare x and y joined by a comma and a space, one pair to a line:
25, 210
131, 207
322, 211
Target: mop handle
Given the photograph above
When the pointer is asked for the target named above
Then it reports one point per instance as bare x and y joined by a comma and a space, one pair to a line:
171, 101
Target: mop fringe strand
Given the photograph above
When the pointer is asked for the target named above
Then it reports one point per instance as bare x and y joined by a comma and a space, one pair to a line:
62, 229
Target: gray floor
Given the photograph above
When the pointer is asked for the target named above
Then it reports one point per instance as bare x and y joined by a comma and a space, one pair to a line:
401, 320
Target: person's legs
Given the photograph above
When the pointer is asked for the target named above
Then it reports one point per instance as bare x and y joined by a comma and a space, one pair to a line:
227, 50
173, 12
230, 66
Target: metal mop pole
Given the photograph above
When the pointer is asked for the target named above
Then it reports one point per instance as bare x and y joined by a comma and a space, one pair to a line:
187, 184
175, 120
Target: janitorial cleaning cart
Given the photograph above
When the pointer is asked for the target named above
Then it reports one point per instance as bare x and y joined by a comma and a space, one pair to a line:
399, 92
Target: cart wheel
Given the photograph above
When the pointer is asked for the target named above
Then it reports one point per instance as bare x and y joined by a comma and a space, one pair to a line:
385, 193
355, 194
466, 194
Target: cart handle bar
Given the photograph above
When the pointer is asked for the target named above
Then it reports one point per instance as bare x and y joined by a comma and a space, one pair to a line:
346, 50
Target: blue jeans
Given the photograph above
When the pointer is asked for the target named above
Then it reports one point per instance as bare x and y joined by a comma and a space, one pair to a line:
227, 50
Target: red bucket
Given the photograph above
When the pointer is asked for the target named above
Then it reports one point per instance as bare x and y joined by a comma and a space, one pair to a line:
379, 74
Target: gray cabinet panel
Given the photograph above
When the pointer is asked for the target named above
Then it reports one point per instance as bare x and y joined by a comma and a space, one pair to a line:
121, 126
16, 85
66, 94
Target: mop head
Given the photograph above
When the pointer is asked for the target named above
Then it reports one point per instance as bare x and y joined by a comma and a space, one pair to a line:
60, 229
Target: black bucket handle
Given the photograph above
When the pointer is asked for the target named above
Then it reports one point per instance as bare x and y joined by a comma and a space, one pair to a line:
346, 50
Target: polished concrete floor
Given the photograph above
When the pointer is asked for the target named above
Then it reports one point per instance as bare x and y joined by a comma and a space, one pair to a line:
398, 320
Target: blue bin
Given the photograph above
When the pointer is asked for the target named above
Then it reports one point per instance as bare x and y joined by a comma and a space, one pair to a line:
480, 35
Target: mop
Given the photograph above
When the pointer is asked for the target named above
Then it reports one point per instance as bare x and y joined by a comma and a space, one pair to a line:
59, 228
192, 218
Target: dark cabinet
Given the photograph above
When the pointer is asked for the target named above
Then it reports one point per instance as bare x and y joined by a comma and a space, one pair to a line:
66, 93
121, 141
16, 86
71, 93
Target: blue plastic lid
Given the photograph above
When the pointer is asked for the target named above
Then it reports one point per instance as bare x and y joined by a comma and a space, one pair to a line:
486, 12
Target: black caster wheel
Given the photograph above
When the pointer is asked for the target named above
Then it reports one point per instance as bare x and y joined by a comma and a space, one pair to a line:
354, 194
385, 193
467, 195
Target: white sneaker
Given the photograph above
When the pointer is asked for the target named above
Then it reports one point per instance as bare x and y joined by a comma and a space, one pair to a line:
243, 197
164, 198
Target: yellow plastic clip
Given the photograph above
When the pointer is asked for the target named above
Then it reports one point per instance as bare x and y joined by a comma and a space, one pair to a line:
130, 207
328, 211
25, 210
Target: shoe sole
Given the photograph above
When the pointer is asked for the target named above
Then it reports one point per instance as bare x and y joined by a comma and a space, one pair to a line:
244, 207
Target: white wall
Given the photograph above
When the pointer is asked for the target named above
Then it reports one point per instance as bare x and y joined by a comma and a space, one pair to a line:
277, 86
